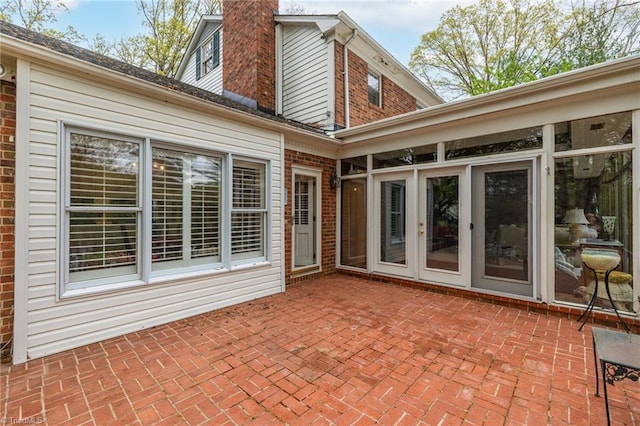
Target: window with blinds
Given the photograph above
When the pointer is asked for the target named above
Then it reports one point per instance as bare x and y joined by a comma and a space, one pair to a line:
248, 214
102, 208
301, 204
186, 209
119, 188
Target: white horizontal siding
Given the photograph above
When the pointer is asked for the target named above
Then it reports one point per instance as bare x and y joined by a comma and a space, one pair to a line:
213, 80
54, 325
304, 74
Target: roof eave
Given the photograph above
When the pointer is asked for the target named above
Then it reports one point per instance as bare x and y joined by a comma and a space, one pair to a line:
22, 49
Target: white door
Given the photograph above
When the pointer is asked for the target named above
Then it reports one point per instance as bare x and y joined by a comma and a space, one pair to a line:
394, 223
502, 206
304, 219
441, 237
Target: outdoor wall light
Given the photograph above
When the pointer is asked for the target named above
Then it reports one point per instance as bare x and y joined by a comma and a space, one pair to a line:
334, 180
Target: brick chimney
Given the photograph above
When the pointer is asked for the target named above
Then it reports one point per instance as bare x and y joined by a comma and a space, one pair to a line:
249, 52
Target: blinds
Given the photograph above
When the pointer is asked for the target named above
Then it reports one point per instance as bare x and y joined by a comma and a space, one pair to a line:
205, 207
167, 197
103, 172
248, 214
102, 210
301, 195
186, 207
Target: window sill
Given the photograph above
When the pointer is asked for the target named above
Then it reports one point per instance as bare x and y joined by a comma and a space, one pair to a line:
99, 290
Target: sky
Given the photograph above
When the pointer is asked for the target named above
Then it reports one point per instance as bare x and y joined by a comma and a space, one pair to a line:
396, 24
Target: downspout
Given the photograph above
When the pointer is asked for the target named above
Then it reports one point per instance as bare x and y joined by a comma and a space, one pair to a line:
345, 64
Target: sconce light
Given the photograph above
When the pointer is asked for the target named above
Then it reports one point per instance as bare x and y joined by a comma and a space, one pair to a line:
334, 180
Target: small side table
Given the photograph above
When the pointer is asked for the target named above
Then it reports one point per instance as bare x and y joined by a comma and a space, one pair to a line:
619, 355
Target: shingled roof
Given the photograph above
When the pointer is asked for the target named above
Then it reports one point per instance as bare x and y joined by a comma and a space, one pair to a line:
10, 30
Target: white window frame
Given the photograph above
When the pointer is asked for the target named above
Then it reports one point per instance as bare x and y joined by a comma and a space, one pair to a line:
144, 271
214, 42
371, 73
188, 264
264, 211
94, 279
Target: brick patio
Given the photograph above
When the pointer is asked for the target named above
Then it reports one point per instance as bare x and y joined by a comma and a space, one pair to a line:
336, 350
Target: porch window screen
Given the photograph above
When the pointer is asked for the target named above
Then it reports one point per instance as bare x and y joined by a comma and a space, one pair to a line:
102, 211
248, 215
186, 209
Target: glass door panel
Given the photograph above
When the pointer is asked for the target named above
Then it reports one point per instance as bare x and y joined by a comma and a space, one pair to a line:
394, 221
440, 243
502, 223
442, 207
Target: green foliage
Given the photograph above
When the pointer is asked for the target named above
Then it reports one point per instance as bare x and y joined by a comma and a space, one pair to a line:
39, 16
496, 44
169, 25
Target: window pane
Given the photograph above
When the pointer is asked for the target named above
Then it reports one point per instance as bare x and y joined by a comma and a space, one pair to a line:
103, 172
248, 215
353, 218
248, 186
98, 241
392, 222
516, 140
205, 207
442, 208
404, 157
373, 81
591, 191
247, 231
606, 130
167, 196
353, 166
186, 209
102, 214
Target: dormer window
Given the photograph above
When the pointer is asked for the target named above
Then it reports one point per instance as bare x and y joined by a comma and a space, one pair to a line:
208, 56
373, 86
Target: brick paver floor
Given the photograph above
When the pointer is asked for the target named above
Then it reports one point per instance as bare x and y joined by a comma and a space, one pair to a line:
336, 350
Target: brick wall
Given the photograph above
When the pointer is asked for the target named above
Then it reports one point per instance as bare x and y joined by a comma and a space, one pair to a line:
328, 255
7, 212
395, 100
250, 50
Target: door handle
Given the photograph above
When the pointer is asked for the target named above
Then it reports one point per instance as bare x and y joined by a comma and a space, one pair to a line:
421, 231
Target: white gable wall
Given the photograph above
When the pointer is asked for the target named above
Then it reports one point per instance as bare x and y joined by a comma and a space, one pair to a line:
53, 324
213, 80
304, 74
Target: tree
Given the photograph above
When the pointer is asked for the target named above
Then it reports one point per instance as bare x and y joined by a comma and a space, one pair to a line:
39, 16
500, 43
169, 25
601, 31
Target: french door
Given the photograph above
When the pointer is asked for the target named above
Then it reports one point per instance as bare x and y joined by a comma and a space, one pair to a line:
441, 214
394, 219
470, 226
502, 226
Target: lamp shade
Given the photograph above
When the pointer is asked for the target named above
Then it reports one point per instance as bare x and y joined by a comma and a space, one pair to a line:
575, 216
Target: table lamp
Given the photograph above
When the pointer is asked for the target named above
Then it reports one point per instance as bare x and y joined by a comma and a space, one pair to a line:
577, 224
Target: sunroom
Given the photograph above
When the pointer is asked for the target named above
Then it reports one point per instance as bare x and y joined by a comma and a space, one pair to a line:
500, 194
